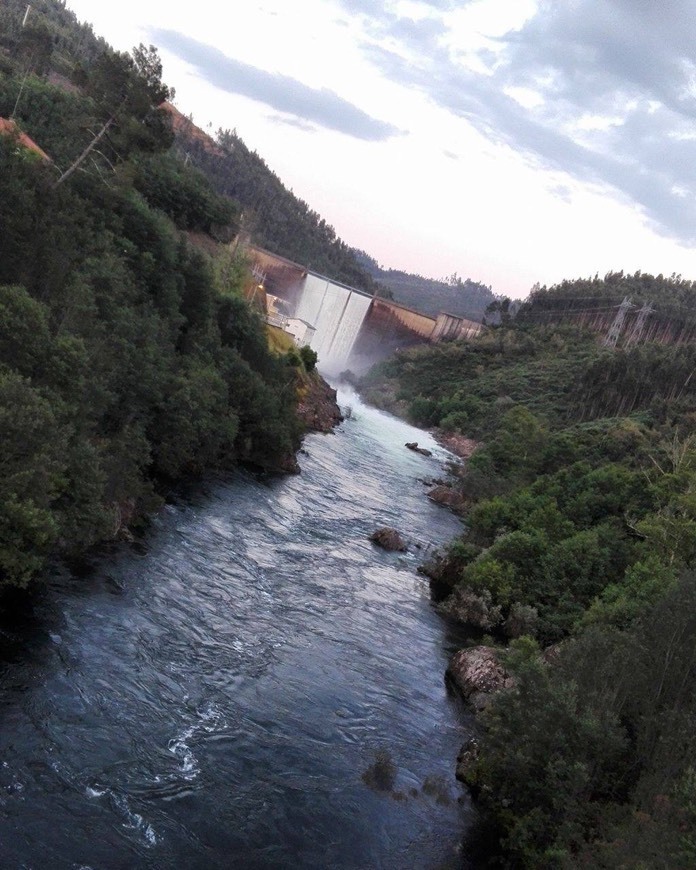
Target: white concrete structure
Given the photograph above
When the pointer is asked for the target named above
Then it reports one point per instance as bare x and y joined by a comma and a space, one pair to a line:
301, 331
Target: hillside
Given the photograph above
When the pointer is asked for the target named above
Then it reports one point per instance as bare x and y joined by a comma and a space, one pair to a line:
271, 214
580, 511
60, 47
466, 298
129, 359
661, 309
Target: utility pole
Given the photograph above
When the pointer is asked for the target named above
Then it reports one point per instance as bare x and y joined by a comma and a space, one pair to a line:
617, 325
639, 325
21, 88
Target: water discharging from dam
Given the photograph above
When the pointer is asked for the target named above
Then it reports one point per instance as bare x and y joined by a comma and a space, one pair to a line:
337, 313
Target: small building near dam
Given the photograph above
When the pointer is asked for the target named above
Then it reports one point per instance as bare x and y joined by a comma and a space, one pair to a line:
301, 331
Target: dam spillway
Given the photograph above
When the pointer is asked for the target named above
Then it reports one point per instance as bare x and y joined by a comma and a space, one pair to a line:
337, 313
351, 328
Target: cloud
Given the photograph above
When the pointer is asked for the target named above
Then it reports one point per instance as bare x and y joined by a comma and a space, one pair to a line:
291, 121
609, 94
563, 192
280, 92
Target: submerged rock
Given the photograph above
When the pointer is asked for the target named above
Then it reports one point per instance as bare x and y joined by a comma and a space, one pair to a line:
413, 445
388, 539
477, 673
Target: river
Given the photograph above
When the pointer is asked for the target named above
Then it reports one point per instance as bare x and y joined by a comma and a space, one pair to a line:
215, 696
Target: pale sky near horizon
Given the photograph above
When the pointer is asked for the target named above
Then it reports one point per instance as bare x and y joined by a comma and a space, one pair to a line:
509, 141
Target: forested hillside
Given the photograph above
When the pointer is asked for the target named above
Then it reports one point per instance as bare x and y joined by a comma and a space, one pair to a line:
466, 298
274, 217
128, 358
55, 44
661, 309
580, 540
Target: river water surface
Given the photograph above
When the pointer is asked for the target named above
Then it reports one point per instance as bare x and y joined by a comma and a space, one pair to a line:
213, 697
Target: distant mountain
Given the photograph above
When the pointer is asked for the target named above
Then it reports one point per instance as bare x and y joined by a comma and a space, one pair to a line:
466, 298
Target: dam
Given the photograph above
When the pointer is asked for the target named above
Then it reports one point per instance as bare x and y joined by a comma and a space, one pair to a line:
353, 329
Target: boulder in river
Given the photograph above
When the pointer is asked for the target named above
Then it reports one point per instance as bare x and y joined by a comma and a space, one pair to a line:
447, 496
413, 445
388, 539
477, 673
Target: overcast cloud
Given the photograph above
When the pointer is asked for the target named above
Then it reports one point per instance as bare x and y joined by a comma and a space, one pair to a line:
604, 91
280, 92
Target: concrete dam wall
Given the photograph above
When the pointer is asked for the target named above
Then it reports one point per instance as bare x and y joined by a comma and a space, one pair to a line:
353, 329
337, 313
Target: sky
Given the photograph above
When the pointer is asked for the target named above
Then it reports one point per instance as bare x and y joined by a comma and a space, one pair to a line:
512, 142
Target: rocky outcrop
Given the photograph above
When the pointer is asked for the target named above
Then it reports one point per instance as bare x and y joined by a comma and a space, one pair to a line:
458, 444
477, 673
388, 539
413, 445
466, 761
447, 496
317, 407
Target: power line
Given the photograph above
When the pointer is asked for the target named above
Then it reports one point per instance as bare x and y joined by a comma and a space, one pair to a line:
617, 324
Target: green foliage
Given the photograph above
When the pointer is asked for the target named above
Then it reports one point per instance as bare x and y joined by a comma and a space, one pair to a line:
589, 760
547, 763
625, 602
309, 357
182, 193
127, 358
582, 522
31, 477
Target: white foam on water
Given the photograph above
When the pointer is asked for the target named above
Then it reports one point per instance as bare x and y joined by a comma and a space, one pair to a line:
134, 820
210, 720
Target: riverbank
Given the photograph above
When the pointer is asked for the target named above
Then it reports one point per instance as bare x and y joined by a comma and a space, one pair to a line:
456, 443
223, 689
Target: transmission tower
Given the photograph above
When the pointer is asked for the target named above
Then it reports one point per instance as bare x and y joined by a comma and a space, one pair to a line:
617, 325
639, 325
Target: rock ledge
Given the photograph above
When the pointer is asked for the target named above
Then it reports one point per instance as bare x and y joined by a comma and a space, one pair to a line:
478, 674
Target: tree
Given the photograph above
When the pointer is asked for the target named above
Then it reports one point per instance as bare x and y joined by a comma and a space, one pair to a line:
127, 93
35, 47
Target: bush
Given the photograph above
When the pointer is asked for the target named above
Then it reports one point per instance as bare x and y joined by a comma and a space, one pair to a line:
309, 357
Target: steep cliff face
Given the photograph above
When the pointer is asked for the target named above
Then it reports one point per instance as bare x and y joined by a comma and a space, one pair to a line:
317, 408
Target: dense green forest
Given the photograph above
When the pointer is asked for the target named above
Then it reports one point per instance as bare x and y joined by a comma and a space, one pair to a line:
466, 298
581, 541
128, 358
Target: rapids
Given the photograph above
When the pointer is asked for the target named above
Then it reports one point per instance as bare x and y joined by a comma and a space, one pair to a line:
213, 696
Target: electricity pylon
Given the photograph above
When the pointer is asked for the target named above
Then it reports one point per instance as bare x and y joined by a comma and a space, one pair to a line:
617, 325
639, 325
